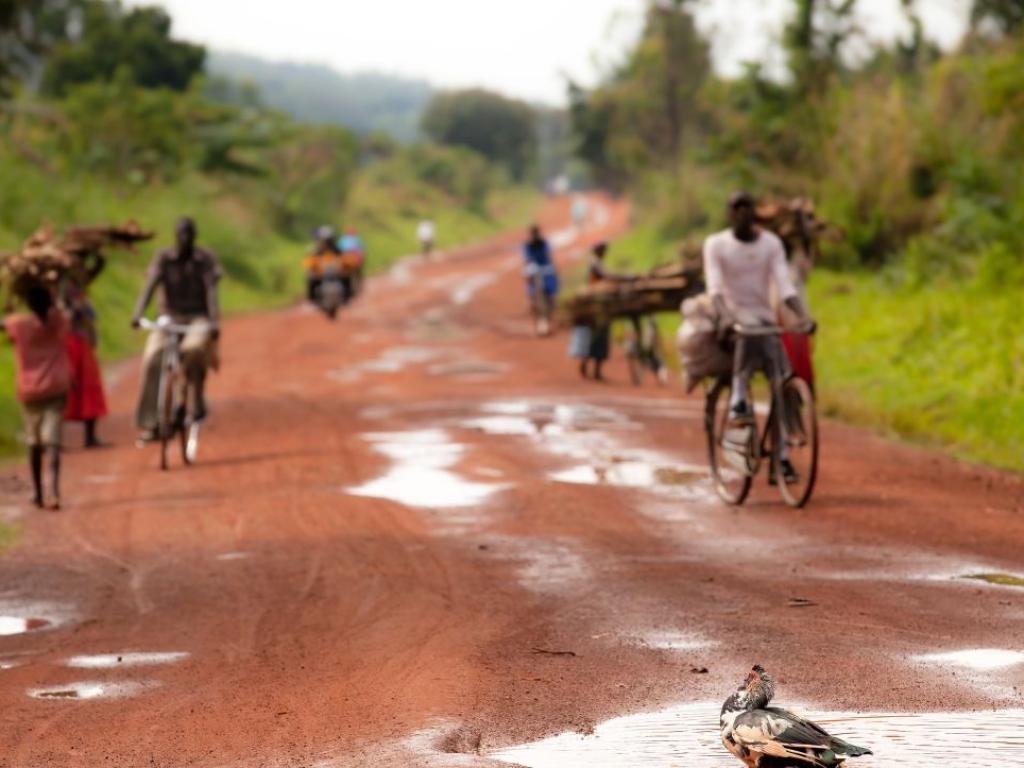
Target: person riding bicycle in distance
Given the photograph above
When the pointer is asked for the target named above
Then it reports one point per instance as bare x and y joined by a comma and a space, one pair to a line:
188, 277
745, 269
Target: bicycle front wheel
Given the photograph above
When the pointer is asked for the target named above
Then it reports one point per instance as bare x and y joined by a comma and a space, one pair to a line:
798, 432
165, 416
732, 481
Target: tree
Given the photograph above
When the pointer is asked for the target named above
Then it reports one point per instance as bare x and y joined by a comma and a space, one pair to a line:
815, 39
501, 129
27, 29
1006, 15
640, 116
110, 39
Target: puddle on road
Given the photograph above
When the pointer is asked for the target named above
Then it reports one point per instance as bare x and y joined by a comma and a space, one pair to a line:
469, 287
997, 579
687, 736
19, 625
90, 691
393, 360
978, 659
422, 475
117, 660
670, 641
634, 472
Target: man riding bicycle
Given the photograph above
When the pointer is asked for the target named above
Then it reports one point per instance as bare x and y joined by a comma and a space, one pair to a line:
187, 276
541, 278
743, 265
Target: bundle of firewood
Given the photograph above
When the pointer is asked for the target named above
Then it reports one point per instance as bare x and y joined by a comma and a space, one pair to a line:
661, 290
796, 222
46, 257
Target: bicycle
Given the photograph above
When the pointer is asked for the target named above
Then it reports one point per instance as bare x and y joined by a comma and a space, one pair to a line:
736, 450
644, 352
541, 301
172, 419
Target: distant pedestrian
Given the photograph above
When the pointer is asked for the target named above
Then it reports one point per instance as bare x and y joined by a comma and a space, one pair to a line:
43, 381
86, 400
592, 343
425, 233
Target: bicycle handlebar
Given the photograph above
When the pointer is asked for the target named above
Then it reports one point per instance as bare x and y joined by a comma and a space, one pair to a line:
165, 324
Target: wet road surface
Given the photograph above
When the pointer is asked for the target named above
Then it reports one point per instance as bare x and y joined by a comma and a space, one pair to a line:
415, 537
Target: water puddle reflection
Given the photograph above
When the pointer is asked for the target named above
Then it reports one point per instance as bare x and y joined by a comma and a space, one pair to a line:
422, 474
979, 659
19, 625
91, 690
115, 660
687, 735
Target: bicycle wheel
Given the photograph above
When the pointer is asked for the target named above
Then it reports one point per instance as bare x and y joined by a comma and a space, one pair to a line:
165, 416
797, 430
732, 481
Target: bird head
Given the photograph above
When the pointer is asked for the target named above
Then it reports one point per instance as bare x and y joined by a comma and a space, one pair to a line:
759, 686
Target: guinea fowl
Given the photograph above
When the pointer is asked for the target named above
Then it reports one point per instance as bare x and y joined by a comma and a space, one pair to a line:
769, 737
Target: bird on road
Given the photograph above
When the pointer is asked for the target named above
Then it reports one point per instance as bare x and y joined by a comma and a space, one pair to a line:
769, 737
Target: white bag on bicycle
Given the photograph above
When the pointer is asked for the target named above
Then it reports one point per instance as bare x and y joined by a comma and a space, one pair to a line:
699, 351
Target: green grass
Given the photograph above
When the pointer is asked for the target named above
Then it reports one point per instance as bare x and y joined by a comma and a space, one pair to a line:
940, 365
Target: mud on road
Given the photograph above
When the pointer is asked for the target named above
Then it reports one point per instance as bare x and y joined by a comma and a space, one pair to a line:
415, 537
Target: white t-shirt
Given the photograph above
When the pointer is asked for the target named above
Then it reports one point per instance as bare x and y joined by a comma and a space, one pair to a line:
425, 231
744, 274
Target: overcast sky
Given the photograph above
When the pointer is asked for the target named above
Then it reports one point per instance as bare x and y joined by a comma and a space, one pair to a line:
522, 48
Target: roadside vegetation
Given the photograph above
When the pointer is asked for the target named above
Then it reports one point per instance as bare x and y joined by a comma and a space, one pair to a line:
105, 117
915, 153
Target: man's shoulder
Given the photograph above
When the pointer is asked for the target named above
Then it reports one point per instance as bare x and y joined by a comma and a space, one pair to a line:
717, 239
771, 239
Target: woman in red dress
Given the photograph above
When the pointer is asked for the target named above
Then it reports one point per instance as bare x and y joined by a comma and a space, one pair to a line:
86, 401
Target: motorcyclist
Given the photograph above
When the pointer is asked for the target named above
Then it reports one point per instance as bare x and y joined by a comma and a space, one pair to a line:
353, 256
324, 262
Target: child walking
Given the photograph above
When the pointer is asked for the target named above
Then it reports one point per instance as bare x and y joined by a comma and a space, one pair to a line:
43, 381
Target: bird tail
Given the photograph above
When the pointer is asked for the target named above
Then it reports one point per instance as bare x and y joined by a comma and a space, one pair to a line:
846, 749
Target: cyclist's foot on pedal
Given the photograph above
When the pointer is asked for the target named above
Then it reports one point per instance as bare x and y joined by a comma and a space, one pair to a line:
741, 413
789, 474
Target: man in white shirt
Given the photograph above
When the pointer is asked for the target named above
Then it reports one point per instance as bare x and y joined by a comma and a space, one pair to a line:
425, 234
745, 269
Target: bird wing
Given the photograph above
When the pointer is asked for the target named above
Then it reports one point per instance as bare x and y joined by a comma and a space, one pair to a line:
779, 733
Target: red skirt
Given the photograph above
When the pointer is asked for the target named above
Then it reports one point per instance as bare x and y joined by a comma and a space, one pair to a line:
798, 350
85, 400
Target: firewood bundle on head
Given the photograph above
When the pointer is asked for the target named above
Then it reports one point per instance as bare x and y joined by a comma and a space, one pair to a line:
797, 224
46, 258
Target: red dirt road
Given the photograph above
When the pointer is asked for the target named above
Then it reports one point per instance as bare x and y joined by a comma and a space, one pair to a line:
390, 553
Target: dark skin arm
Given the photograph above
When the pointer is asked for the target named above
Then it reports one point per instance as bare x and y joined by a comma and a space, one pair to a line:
213, 306
94, 264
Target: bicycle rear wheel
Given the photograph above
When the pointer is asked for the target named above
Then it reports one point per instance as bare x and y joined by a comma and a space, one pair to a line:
732, 482
798, 432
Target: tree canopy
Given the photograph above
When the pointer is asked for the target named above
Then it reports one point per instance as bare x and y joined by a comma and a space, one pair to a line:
501, 129
108, 38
